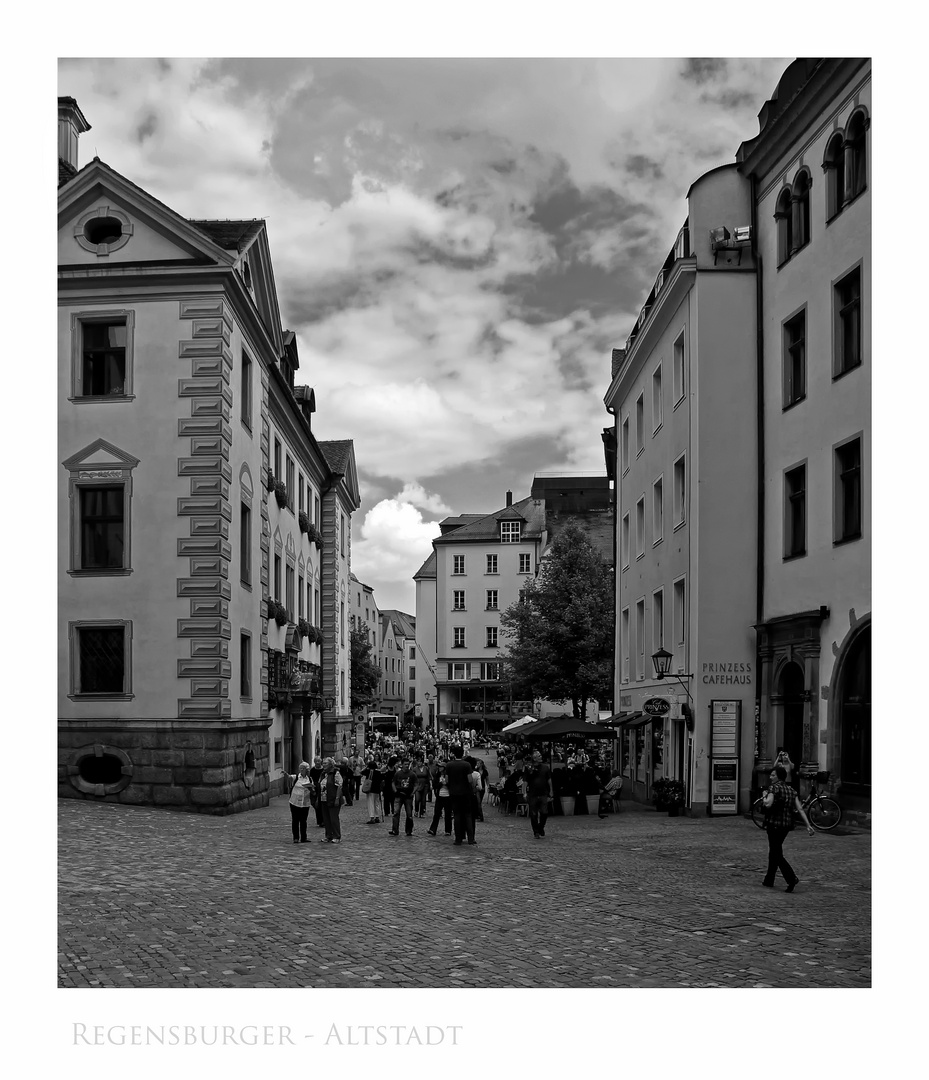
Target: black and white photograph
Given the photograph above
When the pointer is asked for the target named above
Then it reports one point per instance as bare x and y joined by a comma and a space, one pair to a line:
463, 562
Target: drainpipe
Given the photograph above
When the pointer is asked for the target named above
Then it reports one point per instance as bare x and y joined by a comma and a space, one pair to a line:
760, 452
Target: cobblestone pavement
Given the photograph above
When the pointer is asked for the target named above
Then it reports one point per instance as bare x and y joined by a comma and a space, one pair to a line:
154, 898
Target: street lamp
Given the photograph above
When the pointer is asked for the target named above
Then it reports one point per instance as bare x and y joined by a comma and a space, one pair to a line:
662, 661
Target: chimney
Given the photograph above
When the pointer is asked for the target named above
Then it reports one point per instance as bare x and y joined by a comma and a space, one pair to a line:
509, 498
71, 124
617, 358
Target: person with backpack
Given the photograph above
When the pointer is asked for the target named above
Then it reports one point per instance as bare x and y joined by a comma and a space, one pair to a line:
780, 802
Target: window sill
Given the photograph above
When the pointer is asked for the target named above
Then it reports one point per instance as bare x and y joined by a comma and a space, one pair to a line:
625, 471
795, 555
792, 404
246, 585
679, 402
846, 540
657, 429
640, 555
115, 572
101, 697
246, 699
655, 543
99, 399
845, 371
491, 573
248, 428
639, 452
680, 525
624, 568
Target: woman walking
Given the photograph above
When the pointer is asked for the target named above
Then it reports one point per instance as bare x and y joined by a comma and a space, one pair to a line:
301, 794
780, 801
443, 803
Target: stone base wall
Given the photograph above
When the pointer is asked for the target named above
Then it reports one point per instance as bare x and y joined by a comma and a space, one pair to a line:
193, 765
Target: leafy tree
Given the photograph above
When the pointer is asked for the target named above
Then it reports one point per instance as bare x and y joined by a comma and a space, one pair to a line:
365, 672
559, 635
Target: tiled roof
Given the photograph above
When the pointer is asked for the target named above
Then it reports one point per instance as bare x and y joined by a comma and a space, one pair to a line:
427, 570
531, 511
404, 625
65, 171
450, 523
337, 452
230, 235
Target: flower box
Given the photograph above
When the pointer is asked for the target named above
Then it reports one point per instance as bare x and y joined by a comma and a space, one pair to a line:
304, 522
280, 493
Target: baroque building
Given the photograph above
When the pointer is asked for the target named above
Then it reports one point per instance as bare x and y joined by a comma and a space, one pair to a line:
204, 533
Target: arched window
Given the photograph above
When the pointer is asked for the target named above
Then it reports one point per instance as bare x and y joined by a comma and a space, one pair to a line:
782, 215
800, 207
856, 164
834, 168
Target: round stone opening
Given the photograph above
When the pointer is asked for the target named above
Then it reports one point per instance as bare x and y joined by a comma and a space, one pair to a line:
106, 769
103, 230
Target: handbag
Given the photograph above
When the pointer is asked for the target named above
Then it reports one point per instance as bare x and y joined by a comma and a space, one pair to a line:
366, 786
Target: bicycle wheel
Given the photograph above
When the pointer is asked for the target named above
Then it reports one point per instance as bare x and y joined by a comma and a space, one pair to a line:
758, 813
824, 813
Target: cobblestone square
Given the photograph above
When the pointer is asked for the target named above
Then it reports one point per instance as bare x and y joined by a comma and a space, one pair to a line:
158, 899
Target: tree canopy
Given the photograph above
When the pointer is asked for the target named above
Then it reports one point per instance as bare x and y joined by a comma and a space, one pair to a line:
559, 635
365, 672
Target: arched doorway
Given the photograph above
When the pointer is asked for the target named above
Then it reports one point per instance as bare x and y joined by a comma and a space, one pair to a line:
855, 718
792, 695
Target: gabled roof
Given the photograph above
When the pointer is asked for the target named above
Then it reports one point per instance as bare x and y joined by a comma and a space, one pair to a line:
404, 625
427, 570
531, 512
231, 235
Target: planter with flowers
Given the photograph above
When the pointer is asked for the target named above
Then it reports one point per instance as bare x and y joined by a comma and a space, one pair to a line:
269, 479
305, 629
303, 521
674, 797
280, 493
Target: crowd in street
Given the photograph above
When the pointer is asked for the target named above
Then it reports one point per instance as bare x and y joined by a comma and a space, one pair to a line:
425, 774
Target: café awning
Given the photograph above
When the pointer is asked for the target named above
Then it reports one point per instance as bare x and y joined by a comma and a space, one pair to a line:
560, 727
522, 722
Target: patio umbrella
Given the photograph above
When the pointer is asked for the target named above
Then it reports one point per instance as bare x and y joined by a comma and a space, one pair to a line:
564, 726
522, 722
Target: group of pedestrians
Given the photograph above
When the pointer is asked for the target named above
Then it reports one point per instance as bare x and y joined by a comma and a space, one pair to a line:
324, 787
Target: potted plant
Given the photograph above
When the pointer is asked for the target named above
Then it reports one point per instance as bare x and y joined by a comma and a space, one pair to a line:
304, 522
280, 493
660, 794
674, 797
269, 479
305, 629
271, 606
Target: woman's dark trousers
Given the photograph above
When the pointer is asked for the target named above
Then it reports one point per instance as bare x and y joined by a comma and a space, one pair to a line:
298, 816
776, 860
443, 804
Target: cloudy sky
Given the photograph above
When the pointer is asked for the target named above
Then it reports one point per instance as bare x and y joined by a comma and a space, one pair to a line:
458, 244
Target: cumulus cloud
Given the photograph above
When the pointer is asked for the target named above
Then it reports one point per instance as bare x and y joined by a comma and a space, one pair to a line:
393, 542
416, 495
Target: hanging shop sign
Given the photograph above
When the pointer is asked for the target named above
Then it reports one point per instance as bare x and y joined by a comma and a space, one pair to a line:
657, 706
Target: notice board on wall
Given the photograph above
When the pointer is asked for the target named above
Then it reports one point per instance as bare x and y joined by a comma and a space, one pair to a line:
726, 719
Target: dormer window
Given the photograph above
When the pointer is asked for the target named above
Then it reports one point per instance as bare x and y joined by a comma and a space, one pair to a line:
509, 532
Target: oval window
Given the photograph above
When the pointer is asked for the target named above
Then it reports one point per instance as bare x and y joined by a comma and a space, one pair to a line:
106, 769
103, 230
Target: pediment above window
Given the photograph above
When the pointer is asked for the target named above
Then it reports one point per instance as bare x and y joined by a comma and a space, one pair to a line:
101, 456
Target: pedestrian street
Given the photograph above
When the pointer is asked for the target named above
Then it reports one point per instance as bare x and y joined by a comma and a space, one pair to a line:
154, 898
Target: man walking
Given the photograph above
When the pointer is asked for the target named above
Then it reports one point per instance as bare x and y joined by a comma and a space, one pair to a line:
538, 794
423, 780
404, 783
461, 794
780, 800
330, 798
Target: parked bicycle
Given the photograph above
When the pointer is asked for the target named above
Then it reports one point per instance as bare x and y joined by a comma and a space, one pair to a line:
822, 810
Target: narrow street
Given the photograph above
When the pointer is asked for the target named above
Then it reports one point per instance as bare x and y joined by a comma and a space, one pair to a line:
153, 898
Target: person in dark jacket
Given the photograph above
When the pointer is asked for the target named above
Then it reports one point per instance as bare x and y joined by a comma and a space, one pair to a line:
387, 785
780, 802
461, 796
329, 795
315, 773
443, 803
348, 780
404, 783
